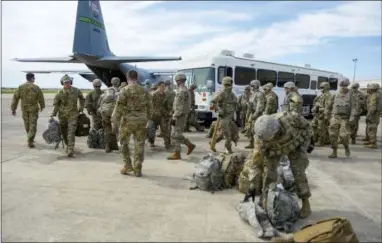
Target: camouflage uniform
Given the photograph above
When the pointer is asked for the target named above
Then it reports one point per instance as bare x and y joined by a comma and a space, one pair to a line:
293, 100
344, 108
211, 130
225, 104
170, 97
106, 106
181, 107
271, 100
192, 119
278, 135
243, 105
133, 110
65, 104
374, 108
123, 84
321, 121
161, 115
255, 110
91, 104
360, 98
31, 98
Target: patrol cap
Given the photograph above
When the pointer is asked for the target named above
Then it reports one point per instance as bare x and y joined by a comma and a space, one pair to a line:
324, 85
266, 127
289, 85
227, 80
344, 82
115, 81
255, 84
180, 77
268, 86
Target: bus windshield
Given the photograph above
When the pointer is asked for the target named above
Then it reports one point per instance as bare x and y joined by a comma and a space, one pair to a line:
199, 76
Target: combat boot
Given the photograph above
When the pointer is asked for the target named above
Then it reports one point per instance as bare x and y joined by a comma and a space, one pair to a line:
70, 153
333, 154
138, 171
353, 141
30, 143
347, 150
174, 156
190, 147
107, 148
371, 146
127, 168
305, 208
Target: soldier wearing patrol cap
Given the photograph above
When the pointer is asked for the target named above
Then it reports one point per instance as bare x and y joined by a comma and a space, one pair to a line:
374, 109
181, 107
91, 104
293, 101
115, 82
242, 106
361, 106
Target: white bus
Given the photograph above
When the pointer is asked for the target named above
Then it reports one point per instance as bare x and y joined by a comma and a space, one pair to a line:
243, 70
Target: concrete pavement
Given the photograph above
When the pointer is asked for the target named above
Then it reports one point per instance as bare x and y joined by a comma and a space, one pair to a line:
49, 197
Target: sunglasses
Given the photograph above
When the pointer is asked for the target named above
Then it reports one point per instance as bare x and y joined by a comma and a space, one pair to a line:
227, 85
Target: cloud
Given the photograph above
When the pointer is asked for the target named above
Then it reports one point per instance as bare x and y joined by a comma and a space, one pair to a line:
46, 29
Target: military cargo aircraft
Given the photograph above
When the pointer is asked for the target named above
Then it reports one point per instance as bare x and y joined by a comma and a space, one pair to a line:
91, 47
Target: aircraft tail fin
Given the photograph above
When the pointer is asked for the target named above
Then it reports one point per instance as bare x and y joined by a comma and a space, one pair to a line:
90, 34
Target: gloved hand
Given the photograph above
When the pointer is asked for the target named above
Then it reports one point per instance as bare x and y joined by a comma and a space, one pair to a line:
13, 113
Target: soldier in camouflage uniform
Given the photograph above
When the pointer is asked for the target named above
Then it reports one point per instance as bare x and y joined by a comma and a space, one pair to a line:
344, 109
91, 104
293, 100
271, 100
361, 101
374, 108
106, 105
255, 110
65, 104
225, 104
243, 106
170, 97
132, 111
181, 107
31, 98
278, 135
161, 113
320, 120
192, 119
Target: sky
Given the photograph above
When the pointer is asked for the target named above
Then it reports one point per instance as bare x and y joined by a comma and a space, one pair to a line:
326, 35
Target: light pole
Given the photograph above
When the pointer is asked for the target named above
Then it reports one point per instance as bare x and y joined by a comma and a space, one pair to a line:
355, 67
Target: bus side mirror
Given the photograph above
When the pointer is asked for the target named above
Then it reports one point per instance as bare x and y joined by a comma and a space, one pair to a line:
210, 85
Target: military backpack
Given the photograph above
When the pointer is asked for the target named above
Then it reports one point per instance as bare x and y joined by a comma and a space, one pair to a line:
231, 166
208, 175
93, 138
53, 133
83, 125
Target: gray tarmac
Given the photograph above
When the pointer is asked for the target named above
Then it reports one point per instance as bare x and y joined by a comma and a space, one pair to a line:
49, 197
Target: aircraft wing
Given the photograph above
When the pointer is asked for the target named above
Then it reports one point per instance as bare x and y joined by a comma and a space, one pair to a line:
68, 59
59, 71
117, 59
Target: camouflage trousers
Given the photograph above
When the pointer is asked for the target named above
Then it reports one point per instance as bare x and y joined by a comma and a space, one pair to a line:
229, 132
106, 123
249, 129
262, 172
97, 121
321, 134
339, 130
162, 122
243, 116
372, 128
30, 123
177, 137
192, 120
211, 130
139, 133
353, 127
68, 128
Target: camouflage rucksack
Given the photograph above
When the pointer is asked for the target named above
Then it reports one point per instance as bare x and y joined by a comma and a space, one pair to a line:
83, 125
281, 207
101, 138
53, 133
92, 140
109, 97
208, 175
243, 181
285, 175
231, 166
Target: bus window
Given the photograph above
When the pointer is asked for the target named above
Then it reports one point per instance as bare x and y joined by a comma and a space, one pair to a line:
284, 77
302, 81
333, 83
266, 76
224, 71
322, 79
244, 75
313, 84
